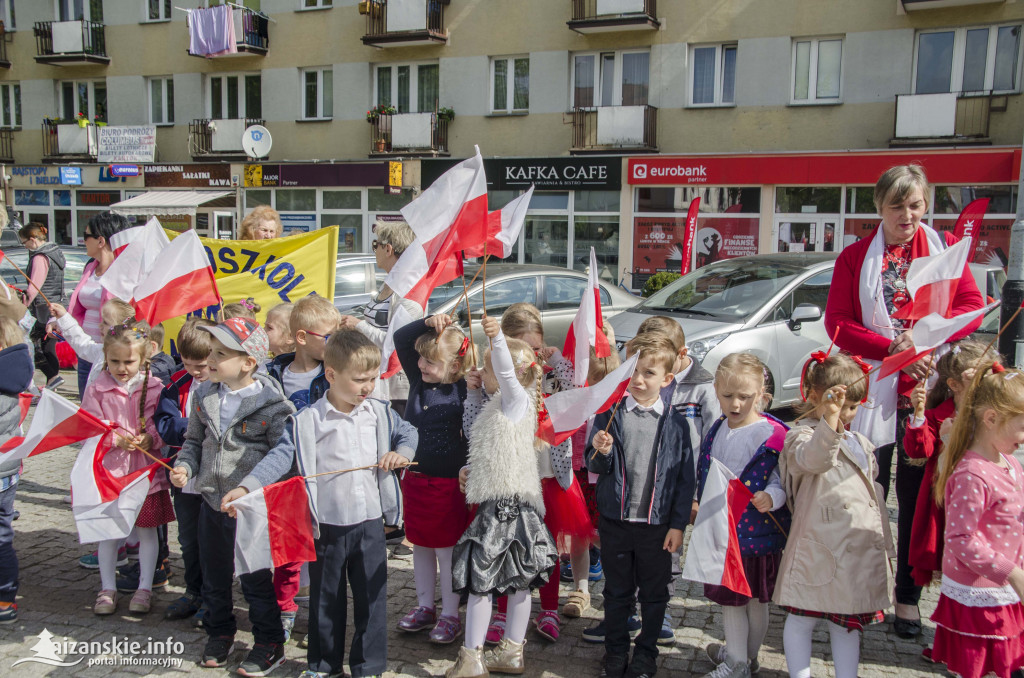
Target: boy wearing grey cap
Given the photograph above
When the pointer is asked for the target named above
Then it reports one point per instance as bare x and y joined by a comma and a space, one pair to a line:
237, 417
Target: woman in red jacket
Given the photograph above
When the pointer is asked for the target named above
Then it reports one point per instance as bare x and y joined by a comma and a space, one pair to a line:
868, 287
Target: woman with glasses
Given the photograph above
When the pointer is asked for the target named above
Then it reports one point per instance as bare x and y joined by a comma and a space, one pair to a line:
46, 272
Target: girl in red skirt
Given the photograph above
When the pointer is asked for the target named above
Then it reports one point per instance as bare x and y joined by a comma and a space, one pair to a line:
127, 394
979, 619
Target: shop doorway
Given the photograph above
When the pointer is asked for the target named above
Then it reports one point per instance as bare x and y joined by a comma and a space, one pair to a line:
803, 233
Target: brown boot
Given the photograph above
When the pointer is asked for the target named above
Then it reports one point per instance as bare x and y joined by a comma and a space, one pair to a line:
469, 664
507, 657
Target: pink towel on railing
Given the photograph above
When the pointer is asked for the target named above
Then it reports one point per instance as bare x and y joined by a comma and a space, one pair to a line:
211, 31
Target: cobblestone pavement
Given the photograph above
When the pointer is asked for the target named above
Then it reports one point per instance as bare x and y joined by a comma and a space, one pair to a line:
56, 596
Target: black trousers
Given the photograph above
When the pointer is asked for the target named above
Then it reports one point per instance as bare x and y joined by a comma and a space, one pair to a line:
45, 352
187, 508
217, 556
634, 562
355, 554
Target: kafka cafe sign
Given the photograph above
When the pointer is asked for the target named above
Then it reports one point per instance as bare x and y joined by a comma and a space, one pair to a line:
548, 174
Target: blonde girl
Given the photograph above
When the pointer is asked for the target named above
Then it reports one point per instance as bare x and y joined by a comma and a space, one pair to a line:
279, 330
748, 442
127, 394
836, 563
979, 619
243, 308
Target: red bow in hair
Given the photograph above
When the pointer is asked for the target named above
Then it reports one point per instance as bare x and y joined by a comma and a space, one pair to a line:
997, 368
816, 357
865, 368
465, 345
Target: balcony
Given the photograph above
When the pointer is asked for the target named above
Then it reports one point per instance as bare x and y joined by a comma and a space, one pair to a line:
252, 36
409, 135
69, 142
7, 146
610, 129
605, 16
404, 23
69, 43
4, 38
218, 139
916, 5
947, 118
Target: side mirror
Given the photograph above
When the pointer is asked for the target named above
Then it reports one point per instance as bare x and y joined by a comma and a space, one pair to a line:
803, 313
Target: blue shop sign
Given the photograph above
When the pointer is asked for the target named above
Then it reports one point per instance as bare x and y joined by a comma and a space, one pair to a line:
71, 176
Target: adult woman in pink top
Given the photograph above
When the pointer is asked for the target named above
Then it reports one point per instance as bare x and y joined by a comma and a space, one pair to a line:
46, 272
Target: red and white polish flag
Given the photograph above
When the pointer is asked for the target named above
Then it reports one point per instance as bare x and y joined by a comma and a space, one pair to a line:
106, 506
932, 281
275, 527
587, 329
929, 333
713, 556
389, 364
452, 210
503, 228
57, 422
119, 241
182, 283
569, 410
135, 260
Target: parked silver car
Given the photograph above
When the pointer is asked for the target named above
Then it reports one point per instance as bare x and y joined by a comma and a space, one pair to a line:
356, 279
76, 261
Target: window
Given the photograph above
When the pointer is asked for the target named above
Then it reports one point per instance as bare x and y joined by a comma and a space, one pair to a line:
610, 79
10, 105
713, 81
318, 94
510, 84
235, 96
500, 296
84, 96
161, 101
411, 88
968, 60
158, 10
7, 14
817, 70
78, 10
316, 4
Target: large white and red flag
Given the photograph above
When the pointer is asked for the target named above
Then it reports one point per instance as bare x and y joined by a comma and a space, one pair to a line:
932, 281
568, 410
182, 283
56, 423
587, 329
275, 527
969, 220
930, 332
135, 260
713, 556
503, 228
452, 210
105, 505
389, 364
120, 240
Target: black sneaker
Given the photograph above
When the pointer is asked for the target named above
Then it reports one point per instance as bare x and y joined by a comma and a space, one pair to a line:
642, 666
183, 607
216, 652
263, 658
8, 613
200, 617
128, 581
614, 665
396, 536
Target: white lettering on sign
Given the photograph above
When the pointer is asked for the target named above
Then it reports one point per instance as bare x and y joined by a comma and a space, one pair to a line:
126, 143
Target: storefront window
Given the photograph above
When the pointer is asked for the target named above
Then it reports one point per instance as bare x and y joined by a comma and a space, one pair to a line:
498, 199
546, 239
380, 200
342, 200
601, 233
550, 201
807, 199
596, 201
256, 198
713, 199
860, 199
953, 199
296, 200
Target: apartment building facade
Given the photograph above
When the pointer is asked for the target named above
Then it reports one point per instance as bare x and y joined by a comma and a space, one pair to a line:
780, 115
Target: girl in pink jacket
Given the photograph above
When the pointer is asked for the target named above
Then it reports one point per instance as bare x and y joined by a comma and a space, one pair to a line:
126, 394
979, 619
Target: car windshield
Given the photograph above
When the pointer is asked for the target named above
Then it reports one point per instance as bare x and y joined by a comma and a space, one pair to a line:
731, 289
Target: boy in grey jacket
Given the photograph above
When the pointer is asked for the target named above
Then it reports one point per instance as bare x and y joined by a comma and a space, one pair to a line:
237, 417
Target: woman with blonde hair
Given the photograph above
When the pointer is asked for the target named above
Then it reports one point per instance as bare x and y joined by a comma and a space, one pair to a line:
263, 223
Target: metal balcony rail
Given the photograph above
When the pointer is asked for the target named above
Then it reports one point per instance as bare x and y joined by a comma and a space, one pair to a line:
94, 42
584, 130
200, 136
381, 137
970, 120
6, 145
254, 29
377, 18
586, 10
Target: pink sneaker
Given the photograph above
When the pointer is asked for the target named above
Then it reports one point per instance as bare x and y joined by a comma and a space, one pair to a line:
548, 625
496, 629
419, 618
446, 631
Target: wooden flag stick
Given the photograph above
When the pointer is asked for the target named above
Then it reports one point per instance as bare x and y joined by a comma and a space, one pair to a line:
483, 290
25, 275
609, 425
349, 470
465, 294
148, 454
866, 375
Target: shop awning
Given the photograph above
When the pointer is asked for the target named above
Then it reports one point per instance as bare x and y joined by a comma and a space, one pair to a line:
173, 202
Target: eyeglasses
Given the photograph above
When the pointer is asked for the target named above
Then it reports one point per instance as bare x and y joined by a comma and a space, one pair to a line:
87, 235
325, 337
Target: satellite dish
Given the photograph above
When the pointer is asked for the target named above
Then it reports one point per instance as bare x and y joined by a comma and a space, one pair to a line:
256, 141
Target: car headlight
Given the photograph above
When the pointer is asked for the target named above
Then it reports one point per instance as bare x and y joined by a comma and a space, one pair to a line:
700, 348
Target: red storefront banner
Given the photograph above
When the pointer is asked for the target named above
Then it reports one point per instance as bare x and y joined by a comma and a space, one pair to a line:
975, 166
658, 242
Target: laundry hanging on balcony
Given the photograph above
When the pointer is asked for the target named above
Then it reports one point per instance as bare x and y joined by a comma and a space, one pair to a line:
211, 32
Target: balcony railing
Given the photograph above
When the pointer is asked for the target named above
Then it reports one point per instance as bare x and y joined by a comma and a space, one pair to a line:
69, 42
4, 61
218, 138
409, 135
956, 117
602, 16
252, 35
614, 128
7, 146
404, 23
69, 142
914, 5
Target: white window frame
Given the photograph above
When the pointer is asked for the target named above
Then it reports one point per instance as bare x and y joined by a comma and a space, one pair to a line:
510, 85
7, 15
960, 52
321, 73
320, 4
165, 82
14, 89
70, 4
163, 9
717, 101
616, 75
812, 74
414, 82
90, 92
208, 90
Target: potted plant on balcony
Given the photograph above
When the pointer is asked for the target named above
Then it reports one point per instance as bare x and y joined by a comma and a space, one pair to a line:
82, 119
374, 113
446, 114
100, 123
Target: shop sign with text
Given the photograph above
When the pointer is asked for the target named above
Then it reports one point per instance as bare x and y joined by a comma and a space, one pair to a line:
210, 175
548, 174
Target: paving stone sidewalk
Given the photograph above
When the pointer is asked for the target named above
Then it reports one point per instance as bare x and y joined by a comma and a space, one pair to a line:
56, 597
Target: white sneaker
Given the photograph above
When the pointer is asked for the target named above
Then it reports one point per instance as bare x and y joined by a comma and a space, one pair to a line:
716, 653
727, 670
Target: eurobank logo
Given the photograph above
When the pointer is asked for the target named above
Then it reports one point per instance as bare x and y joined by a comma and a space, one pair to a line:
640, 170
668, 171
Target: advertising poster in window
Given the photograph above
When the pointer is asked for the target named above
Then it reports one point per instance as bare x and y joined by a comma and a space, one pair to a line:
991, 240
658, 241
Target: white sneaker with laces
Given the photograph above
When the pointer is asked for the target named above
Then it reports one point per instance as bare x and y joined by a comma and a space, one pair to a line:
727, 670
716, 653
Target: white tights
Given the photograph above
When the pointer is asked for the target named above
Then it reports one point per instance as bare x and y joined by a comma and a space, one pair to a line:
478, 616
149, 547
579, 556
745, 629
796, 639
426, 562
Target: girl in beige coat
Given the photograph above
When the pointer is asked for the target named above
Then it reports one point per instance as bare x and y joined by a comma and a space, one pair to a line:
836, 564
